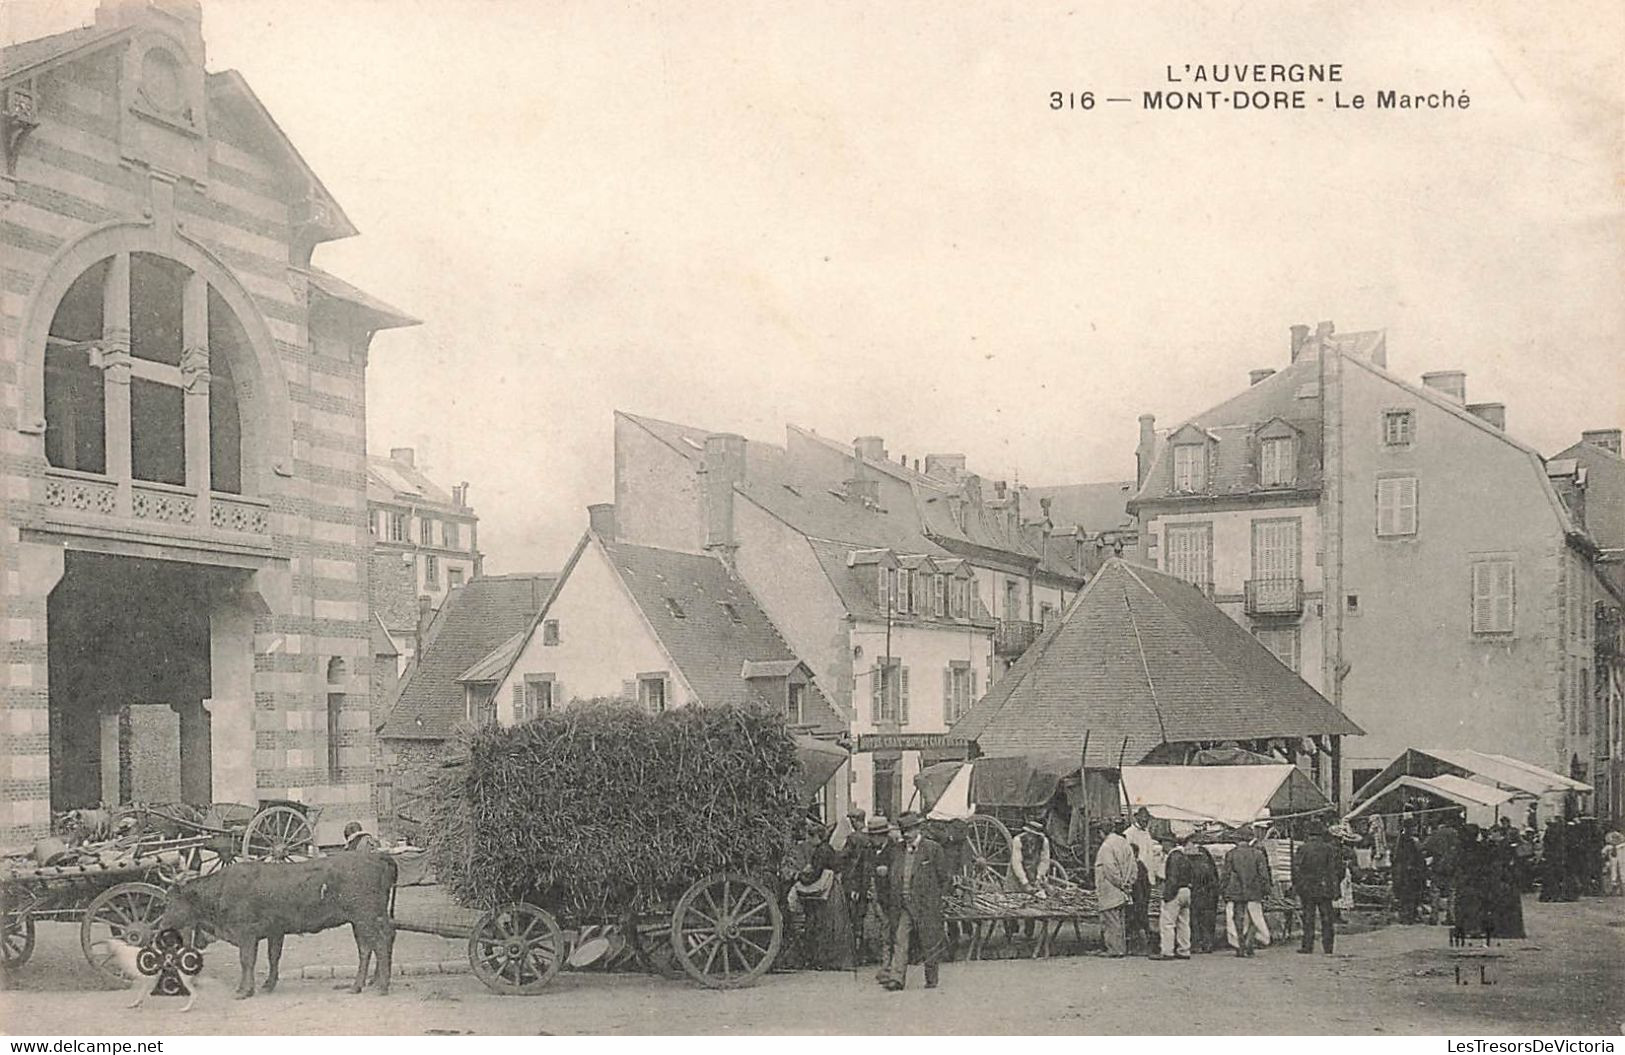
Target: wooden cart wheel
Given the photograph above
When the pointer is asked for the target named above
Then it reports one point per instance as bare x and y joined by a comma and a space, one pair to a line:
649, 938
127, 912
989, 842
727, 930
16, 940
279, 833
516, 949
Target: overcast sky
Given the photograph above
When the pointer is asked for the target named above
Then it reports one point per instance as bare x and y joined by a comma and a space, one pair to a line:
864, 218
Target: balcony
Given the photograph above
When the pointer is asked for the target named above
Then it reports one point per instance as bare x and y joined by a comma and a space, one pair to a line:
1012, 637
92, 504
1274, 596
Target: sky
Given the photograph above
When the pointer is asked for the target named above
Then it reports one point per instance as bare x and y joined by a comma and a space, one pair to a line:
865, 219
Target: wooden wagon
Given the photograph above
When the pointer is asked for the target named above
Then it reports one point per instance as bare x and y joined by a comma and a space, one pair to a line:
118, 887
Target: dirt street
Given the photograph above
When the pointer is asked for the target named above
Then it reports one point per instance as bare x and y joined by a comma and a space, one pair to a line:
1568, 978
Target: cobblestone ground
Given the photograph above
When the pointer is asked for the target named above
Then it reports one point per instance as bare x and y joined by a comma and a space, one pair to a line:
1568, 978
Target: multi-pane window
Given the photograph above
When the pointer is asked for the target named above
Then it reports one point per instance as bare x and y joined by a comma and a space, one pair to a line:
1188, 553
452, 532
1275, 549
889, 692
1282, 643
538, 698
431, 572
905, 590
454, 577
550, 631
652, 693
1190, 467
940, 591
1398, 428
892, 575
426, 531
1396, 506
1012, 599
1277, 465
1494, 590
397, 527
796, 703
958, 691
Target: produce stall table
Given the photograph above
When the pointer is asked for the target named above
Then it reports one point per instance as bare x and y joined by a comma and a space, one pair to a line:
987, 910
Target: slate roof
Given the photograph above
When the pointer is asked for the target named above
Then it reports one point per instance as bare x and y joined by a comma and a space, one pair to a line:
391, 481
382, 315
1092, 508
709, 624
473, 621
858, 588
1144, 656
28, 54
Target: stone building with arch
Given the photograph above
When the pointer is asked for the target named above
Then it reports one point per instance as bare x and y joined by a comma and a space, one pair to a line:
184, 554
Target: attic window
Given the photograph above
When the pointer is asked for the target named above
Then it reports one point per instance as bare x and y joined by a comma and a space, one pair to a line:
1190, 467
732, 612
675, 609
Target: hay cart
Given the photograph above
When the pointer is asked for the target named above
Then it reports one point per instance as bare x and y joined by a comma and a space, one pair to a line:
723, 930
118, 887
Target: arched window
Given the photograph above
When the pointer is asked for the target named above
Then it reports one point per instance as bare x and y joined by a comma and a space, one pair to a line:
139, 357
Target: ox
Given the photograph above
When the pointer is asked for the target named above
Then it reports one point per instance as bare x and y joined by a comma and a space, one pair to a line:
246, 901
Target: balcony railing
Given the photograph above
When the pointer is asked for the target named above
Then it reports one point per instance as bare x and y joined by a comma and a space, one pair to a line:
94, 501
1274, 596
1012, 637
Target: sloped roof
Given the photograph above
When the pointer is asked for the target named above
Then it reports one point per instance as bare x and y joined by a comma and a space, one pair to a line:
1447, 786
1146, 658
473, 620
391, 481
495, 664
29, 56
1232, 795
1286, 394
1604, 518
858, 589
1493, 769
1092, 508
381, 315
708, 623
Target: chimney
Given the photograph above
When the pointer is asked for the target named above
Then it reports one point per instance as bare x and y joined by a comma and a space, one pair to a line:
601, 518
1452, 384
723, 467
944, 466
870, 448
404, 455
1147, 447
1300, 334
1607, 439
1255, 376
1044, 505
1494, 413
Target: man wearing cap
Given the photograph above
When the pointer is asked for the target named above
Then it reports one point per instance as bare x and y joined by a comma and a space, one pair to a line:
916, 875
1114, 883
1244, 885
1029, 867
1175, 916
1139, 835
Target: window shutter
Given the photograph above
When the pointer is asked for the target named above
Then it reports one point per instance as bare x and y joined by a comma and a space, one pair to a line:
1482, 603
877, 687
950, 706
902, 677
1405, 516
518, 701
1505, 583
972, 690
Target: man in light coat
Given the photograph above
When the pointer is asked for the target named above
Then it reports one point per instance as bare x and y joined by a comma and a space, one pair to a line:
1151, 854
1244, 886
1114, 880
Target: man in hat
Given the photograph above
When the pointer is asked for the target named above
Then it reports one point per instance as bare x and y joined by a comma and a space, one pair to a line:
1114, 885
1317, 877
1245, 884
917, 877
1175, 915
357, 838
1029, 868
862, 853
1140, 837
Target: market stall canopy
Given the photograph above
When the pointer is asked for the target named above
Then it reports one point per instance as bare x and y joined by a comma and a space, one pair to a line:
1143, 659
1020, 781
1500, 771
1457, 790
1233, 795
820, 761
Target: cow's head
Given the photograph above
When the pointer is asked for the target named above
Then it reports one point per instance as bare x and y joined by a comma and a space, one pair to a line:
191, 905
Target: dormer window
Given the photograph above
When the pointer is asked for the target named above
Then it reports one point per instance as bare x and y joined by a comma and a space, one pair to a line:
1277, 464
1190, 467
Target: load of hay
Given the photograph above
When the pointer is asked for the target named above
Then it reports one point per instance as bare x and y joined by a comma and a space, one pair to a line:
599, 805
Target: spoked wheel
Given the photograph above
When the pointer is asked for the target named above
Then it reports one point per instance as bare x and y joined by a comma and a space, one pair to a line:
989, 842
649, 938
727, 930
516, 949
16, 940
279, 833
128, 912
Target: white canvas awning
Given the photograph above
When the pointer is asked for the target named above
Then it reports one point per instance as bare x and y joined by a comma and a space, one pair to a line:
1232, 795
1460, 790
1502, 771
